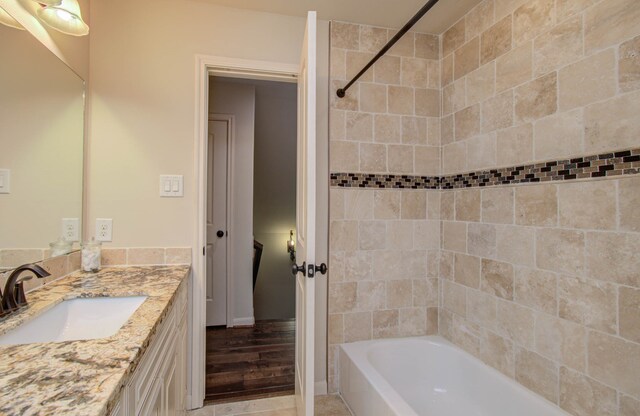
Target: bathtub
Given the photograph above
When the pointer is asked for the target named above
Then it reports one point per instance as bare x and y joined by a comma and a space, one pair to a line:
429, 376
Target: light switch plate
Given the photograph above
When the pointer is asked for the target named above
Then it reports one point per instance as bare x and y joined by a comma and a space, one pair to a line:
71, 229
171, 186
5, 181
104, 229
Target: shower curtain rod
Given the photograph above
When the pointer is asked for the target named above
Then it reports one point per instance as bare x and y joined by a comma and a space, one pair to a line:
342, 91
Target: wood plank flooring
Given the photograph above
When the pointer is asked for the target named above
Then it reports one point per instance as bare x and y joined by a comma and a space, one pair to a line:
250, 363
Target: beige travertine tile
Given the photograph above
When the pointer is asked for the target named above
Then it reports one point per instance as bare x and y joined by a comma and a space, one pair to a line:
145, 256
343, 235
566, 8
498, 352
596, 211
466, 58
481, 308
453, 38
358, 204
58, 267
505, 7
559, 135
405, 45
558, 47
413, 205
453, 97
536, 205
387, 128
497, 112
350, 101
454, 297
414, 130
537, 98
427, 102
373, 158
357, 326
446, 265
536, 289
454, 236
413, 322
355, 61
178, 255
335, 329
481, 83
338, 61
467, 270
614, 361
426, 235
496, 41
446, 72
479, 19
336, 201
628, 406
629, 203
591, 303
614, 257
515, 244
337, 125
447, 206
515, 67
467, 122
481, 240
613, 124
336, 262
560, 250
427, 160
400, 235
516, 323
373, 98
372, 39
414, 72
537, 373
114, 256
370, 296
345, 35
433, 266
629, 313
386, 204
481, 151
400, 100
427, 46
515, 145
345, 156
454, 158
359, 126
385, 323
432, 321
414, 263
331, 405
561, 341
387, 265
465, 334
400, 158
497, 278
629, 65
581, 395
399, 294
372, 235
610, 22
497, 205
532, 18
16, 257
433, 131
387, 70
597, 71
467, 205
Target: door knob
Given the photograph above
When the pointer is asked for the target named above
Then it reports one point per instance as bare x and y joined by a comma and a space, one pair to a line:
322, 268
295, 269
220, 234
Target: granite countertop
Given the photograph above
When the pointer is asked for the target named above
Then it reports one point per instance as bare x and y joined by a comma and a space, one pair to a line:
84, 377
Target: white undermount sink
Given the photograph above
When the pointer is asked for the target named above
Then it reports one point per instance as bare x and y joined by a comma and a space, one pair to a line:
76, 319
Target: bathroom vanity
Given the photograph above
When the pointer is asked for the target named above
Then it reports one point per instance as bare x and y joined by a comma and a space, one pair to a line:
139, 370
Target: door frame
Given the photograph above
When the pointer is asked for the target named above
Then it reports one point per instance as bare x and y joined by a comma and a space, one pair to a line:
231, 120
205, 67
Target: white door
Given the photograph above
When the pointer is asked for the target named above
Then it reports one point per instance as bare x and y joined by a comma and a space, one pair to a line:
217, 238
306, 221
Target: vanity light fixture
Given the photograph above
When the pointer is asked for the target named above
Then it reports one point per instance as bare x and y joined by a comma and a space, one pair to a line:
63, 16
7, 20
291, 246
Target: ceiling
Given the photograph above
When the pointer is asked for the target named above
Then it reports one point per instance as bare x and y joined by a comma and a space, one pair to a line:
385, 13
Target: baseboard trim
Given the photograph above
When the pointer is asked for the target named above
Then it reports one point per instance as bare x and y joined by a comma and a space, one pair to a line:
248, 321
320, 388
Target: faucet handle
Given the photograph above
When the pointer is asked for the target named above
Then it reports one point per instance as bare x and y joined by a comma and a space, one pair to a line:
21, 299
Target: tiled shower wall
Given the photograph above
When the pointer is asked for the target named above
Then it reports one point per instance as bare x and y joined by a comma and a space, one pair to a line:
383, 243
538, 280
542, 281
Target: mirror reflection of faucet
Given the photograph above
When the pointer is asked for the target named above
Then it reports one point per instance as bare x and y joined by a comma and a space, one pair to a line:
13, 297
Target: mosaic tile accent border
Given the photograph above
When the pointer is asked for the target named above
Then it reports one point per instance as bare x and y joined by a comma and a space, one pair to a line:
625, 162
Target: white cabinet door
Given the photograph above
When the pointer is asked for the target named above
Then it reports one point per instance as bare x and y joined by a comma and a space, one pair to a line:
153, 403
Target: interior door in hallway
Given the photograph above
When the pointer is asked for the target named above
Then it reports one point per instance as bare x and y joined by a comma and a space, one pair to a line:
217, 236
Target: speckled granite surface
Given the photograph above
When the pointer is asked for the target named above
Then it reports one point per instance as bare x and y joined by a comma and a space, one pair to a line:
84, 377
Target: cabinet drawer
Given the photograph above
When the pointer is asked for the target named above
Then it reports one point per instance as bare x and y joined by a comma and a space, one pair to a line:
143, 378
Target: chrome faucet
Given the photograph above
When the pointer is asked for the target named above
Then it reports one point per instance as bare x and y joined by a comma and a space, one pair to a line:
13, 297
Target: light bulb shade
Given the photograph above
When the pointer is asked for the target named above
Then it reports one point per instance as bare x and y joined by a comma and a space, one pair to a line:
7, 20
65, 18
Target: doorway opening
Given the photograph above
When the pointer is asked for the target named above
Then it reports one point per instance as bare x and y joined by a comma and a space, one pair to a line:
250, 231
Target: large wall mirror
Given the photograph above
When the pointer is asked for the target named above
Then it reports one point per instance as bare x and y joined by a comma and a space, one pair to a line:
41, 150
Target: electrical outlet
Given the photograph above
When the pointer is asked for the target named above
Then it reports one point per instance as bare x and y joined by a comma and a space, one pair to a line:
71, 229
104, 229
